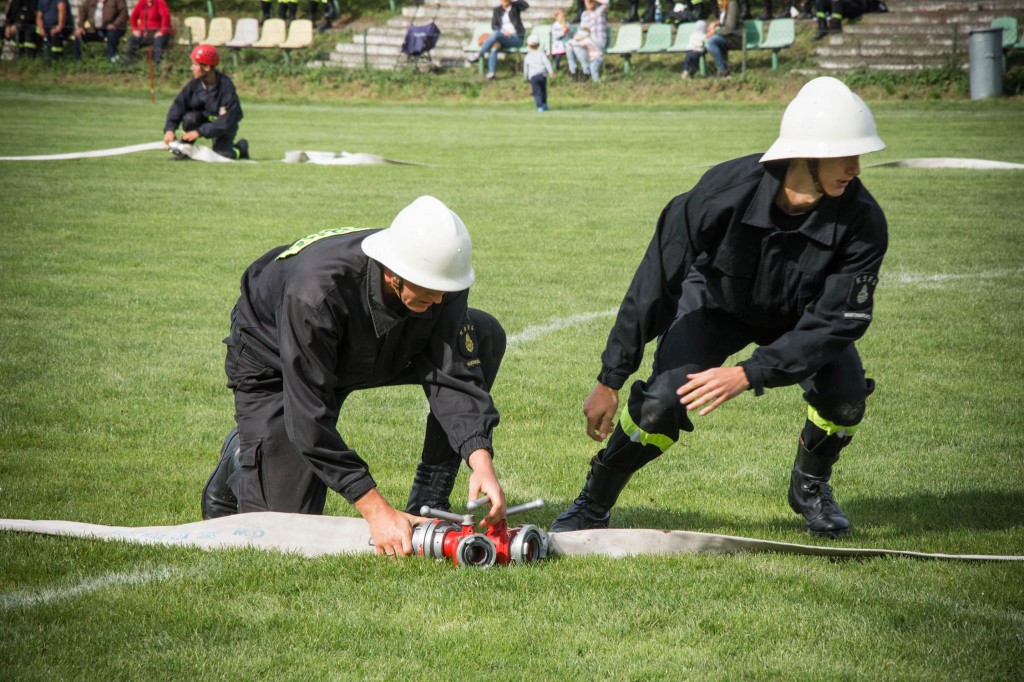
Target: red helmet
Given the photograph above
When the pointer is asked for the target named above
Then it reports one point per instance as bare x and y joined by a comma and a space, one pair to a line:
205, 54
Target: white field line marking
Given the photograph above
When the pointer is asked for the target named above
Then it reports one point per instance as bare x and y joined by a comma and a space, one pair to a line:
537, 331
13, 600
900, 278
912, 278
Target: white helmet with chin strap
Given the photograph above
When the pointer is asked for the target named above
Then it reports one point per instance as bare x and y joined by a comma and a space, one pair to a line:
825, 120
427, 245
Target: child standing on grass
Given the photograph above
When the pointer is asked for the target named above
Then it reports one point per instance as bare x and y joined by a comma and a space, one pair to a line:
536, 69
560, 32
694, 49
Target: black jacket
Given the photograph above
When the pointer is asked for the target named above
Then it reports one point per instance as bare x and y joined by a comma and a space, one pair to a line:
314, 314
514, 9
21, 12
812, 286
217, 103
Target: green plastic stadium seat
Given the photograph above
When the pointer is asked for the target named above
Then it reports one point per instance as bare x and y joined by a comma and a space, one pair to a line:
659, 39
628, 40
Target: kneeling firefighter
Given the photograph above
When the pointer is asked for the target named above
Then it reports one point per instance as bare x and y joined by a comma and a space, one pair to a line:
207, 107
347, 310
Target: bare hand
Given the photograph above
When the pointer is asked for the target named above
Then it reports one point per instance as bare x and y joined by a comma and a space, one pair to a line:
168, 138
485, 482
190, 136
714, 386
599, 408
390, 529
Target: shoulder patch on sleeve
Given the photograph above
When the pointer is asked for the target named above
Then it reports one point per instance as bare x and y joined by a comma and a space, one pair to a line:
862, 291
467, 340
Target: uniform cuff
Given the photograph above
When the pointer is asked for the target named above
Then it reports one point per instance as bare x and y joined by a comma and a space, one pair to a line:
358, 488
612, 379
473, 444
754, 377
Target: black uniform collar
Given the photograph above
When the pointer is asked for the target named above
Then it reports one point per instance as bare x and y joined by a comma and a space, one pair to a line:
820, 225
384, 317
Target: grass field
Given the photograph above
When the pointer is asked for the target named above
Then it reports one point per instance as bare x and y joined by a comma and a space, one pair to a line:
116, 279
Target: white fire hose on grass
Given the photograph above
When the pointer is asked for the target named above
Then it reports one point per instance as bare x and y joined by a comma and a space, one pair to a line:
312, 536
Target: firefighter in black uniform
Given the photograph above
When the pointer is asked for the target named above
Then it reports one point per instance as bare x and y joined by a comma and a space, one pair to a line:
20, 26
207, 107
782, 251
346, 310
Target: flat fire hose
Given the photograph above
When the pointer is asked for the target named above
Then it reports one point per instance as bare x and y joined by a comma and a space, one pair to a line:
198, 152
117, 151
312, 536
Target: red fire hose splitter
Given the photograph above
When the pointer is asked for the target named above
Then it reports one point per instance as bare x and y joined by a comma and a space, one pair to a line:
454, 536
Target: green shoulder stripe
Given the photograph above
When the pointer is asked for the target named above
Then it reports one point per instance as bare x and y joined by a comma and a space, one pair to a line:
323, 234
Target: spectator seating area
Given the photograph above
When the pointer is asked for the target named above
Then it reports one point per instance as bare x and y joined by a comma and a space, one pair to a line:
275, 34
1011, 39
630, 40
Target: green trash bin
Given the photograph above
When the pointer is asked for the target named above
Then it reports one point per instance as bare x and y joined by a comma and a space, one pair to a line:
985, 49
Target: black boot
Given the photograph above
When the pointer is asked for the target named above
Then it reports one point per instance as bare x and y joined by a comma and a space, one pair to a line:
822, 29
633, 14
314, 10
810, 493
265, 5
835, 25
282, 10
592, 508
293, 10
218, 498
432, 486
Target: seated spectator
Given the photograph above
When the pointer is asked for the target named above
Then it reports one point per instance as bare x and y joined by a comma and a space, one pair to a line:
694, 49
207, 107
54, 22
585, 51
151, 25
101, 21
685, 12
508, 32
561, 32
725, 34
20, 26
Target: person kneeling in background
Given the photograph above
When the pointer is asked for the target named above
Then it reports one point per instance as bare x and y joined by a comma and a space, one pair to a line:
208, 107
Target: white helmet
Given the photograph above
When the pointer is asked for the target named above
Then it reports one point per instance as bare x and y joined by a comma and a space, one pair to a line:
825, 120
427, 244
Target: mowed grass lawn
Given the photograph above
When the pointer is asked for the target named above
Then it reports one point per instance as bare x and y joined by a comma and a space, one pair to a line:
116, 279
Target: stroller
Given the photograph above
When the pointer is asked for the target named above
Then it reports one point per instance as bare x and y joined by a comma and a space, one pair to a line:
420, 40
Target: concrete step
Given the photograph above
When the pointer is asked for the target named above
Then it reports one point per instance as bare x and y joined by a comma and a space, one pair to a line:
909, 64
930, 6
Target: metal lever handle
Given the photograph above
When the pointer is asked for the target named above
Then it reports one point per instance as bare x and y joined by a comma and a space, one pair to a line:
463, 519
473, 505
536, 504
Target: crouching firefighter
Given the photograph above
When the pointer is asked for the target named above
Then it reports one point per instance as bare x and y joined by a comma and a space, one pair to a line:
347, 310
781, 250
207, 107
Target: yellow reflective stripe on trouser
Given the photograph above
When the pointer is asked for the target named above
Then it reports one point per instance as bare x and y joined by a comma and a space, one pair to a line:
831, 428
638, 435
323, 234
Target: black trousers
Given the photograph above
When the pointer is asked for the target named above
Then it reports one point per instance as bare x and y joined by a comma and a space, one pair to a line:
700, 338
223, 144
273, 475
539, 87
112, 37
